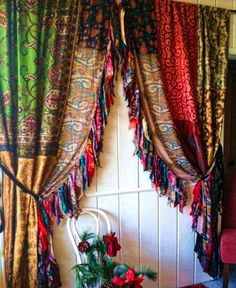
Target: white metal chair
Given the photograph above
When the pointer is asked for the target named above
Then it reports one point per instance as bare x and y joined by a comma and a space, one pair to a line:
73, 232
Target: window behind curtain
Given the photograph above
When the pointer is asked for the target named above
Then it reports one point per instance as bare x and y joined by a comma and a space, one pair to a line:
230, 120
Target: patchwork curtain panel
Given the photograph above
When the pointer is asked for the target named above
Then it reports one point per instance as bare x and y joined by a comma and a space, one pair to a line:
175, 72
56, 85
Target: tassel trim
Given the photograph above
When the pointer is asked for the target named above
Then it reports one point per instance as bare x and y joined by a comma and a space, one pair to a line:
162, 178
206, 205
65, 200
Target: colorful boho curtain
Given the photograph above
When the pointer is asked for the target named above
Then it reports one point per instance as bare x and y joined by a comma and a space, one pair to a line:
175, 81
56, 82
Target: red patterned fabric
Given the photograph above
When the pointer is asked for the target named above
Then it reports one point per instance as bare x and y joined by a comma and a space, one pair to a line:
229, 202
228, 246
177, 43
177, 26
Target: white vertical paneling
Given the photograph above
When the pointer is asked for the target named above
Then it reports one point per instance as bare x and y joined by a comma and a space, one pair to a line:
110, 204
128, 164
63, 249
200, 276
148, 203
129, 229
107, 177
64, 254
186, 246
167, 245
86, 222
143, 176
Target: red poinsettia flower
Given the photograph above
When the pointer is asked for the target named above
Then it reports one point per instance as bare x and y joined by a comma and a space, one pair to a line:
118, 281
112, 244
129, 280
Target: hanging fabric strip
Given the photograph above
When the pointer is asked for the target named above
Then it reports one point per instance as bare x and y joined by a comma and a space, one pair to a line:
213, 43
166, 78
144, 85
178, 52
1, 205
57, 89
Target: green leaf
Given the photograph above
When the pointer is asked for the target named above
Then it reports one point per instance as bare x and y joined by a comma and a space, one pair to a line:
100, 268
87, 236
149, 273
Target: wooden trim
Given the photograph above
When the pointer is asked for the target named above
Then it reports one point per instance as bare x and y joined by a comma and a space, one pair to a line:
232, 53
226, 276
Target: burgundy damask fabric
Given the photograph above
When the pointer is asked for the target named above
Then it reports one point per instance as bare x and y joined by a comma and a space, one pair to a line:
176, 25
177, 30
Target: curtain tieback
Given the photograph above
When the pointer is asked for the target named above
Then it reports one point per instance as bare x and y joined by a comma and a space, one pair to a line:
197, 204
205, 178
19, 184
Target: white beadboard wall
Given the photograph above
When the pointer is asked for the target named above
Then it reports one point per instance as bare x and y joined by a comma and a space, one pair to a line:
149, 231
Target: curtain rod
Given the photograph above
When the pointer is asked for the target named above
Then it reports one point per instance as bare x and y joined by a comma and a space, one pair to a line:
232, 11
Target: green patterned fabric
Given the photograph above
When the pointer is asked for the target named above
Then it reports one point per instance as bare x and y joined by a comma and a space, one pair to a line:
56, 88
35, 64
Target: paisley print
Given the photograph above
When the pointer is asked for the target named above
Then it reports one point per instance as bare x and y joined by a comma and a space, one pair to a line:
51, 99
212, 73
29, 125
79, 111
154, 92
31, 3
53, 62
62, 25
3, 20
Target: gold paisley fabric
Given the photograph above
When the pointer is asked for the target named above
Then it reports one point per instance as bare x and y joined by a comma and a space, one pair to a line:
213, 35
84, 87
160, 112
